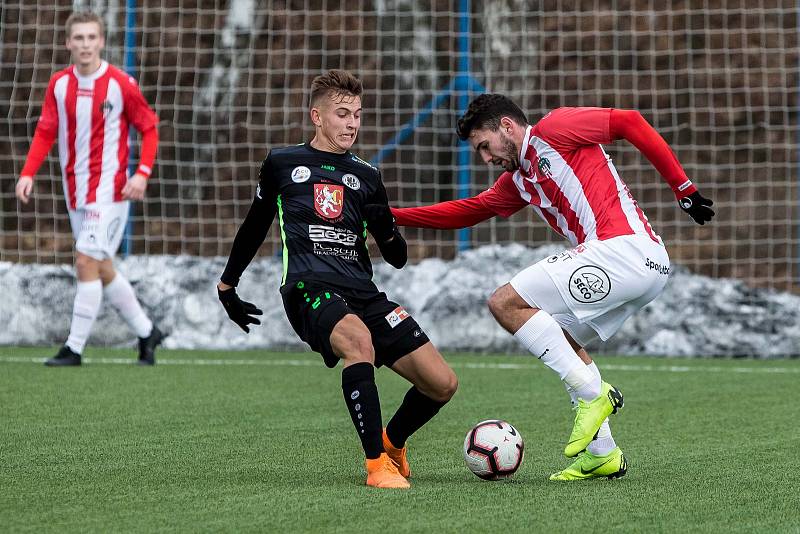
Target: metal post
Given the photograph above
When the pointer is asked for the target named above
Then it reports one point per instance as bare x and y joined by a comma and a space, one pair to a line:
462, 89
129, 66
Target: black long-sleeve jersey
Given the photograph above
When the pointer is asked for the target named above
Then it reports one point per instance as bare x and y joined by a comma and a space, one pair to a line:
318, 197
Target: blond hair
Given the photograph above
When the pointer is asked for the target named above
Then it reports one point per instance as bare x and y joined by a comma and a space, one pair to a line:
79, 17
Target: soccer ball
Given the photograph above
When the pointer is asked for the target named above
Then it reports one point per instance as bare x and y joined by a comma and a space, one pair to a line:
493, 449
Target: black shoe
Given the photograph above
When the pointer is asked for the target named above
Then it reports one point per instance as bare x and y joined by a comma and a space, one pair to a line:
147, 346
64, 357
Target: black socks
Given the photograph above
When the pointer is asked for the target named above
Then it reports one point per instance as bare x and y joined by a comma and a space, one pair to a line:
361, 397
415, 411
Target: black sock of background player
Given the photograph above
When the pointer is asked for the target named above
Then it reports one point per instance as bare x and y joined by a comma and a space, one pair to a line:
361, 397
415, 411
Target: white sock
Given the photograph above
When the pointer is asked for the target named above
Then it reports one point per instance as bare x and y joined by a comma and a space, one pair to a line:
542, 336
84, 311
573, 395
604, 443
120, 295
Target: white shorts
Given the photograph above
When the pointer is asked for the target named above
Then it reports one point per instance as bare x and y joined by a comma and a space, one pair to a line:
592, 289
98, 228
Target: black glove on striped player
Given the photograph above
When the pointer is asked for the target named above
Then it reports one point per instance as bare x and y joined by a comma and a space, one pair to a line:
697, 206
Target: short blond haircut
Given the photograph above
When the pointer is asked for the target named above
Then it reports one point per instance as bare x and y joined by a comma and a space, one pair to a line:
335, 83
79, 17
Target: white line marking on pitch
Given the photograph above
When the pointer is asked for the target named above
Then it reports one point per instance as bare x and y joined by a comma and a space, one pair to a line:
456, 365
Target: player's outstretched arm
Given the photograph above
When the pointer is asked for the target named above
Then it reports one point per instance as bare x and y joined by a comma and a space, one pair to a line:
449, 215
631, 126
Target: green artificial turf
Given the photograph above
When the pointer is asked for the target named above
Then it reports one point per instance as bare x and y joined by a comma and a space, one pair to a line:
261, 442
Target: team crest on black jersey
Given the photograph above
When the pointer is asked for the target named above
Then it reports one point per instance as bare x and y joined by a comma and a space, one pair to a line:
329, 201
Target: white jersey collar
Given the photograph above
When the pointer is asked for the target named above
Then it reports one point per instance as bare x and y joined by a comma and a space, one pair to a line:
93, 76
524, 164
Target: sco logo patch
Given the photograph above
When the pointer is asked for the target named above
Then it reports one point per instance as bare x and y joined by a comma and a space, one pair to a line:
300, 174
589, 284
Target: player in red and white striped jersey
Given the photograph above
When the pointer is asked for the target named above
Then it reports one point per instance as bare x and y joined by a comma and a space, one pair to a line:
89, 106
616, 266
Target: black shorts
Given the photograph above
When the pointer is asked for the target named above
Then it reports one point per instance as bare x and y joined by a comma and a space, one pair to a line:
314, 308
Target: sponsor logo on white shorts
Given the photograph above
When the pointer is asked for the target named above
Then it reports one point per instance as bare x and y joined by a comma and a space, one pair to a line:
397, 316
351, 181
589, 284
301, 174
657, 267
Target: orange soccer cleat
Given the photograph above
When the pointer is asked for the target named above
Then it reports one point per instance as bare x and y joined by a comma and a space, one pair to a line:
398, 456
382, 473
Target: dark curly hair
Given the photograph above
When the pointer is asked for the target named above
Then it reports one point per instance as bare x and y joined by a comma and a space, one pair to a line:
486, 111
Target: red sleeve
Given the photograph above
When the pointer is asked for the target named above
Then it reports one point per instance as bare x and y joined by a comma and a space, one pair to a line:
45, 135
137, 111
631, 126
444, 215
500, 199
148, 152
503, 197
570, 128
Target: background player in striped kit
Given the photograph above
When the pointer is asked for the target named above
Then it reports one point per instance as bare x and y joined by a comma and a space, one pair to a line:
89, 106
618, 263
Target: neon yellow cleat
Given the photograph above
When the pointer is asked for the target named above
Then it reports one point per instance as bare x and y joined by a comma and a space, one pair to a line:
590, 415
612, 465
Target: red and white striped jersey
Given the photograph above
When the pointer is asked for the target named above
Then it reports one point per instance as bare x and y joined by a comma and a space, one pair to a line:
569, 180
90, 115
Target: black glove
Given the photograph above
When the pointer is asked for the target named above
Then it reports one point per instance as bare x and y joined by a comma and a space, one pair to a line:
380, 221
239, 311
697, 206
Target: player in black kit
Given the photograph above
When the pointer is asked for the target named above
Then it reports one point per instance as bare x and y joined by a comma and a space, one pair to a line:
326, 199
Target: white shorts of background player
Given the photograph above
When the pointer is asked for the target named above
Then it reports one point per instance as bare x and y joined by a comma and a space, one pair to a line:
98, 228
